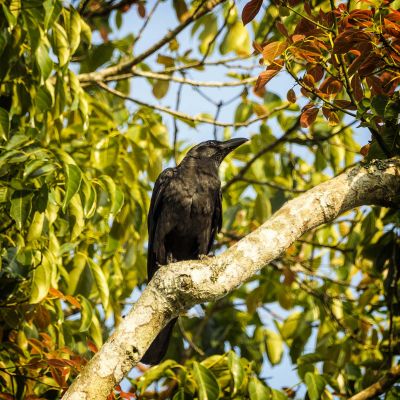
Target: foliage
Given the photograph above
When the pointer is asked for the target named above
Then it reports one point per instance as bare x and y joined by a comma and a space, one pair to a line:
77, 163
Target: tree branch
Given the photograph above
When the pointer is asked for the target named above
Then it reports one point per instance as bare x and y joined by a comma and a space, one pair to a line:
182, 285
382, 386
165, 77
188, 117
125, 66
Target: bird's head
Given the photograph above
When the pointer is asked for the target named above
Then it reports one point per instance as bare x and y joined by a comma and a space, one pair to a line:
214, 150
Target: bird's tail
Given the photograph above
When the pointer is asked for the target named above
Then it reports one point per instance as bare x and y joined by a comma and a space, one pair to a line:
157, 350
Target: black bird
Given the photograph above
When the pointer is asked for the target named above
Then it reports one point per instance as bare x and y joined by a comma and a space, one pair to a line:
185, 215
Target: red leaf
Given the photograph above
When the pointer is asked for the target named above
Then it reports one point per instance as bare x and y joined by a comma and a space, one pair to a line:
273, 50
364, 150
345, 104
308, 117
250, 10
357, 88
141, 10
291, 96
282, 28
264, 78
317, 72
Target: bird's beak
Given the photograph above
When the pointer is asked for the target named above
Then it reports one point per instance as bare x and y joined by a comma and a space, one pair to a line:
231, 144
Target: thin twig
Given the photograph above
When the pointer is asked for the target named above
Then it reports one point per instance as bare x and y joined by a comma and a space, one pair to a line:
271, 184
151, 13
260, 153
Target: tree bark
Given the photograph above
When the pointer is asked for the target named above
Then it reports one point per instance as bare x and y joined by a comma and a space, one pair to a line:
181, 285
379, 387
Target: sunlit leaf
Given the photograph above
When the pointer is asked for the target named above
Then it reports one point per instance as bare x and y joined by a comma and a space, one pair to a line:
207, 384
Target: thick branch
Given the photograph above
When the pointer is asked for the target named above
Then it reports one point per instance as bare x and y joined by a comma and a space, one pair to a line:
382, 386
125, 66
180, 286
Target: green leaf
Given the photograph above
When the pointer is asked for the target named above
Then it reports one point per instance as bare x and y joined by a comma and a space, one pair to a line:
44, 61
21, 205
76, 220
257, 390
43, 100
4, 123
73, 182
237, 39
101, 283
207, 384
36, 227
115, 194
154, 374
41, 280
86, 32
9, 16
90, 198
378, 105
61, 45
315, 385
179, 395
74, 31
86, 313
160, 89
243, 112
277, 395
236, 370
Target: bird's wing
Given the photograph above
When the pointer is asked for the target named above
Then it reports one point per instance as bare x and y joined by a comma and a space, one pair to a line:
216, 223
154, 213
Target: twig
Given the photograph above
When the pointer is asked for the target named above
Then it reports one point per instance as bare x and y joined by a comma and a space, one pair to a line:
187, 117
151, 13
176, 129
189, 340
260, 153
271, 184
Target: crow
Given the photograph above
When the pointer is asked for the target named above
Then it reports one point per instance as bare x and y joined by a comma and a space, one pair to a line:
185, 215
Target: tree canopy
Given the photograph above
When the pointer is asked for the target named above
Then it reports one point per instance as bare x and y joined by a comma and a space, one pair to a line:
81, 144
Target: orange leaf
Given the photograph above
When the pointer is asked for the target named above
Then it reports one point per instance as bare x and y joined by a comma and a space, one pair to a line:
257, 47
72, 300
273, 50
308, 117
297, 38
56, 293
250, 10
92, 347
